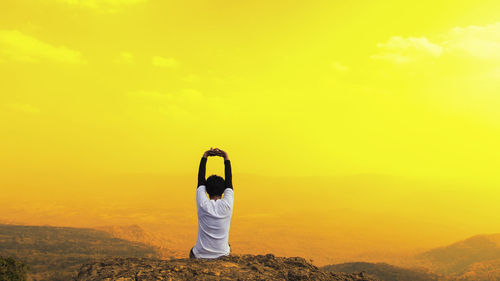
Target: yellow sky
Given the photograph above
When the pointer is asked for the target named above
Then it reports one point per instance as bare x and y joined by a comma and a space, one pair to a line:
288, 88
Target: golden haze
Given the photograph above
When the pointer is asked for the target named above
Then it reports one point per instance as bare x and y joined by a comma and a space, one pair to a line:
356, 130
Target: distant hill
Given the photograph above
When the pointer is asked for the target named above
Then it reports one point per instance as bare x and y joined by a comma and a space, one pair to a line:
458, 257
474, 259
383, 271
246, 267
56, 253
137, 233
480, 271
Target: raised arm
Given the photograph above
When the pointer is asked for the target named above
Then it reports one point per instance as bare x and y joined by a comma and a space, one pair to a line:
228, 176
203, 165
201, 171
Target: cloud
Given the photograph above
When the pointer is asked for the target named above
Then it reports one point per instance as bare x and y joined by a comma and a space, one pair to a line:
185, 104
481, 42
392, 57
339, 67
23, 108
16, 46
150, 95
178, 106
183, 97
106, 6
403, 50
477, 41
125, 58
164, 62
191, 78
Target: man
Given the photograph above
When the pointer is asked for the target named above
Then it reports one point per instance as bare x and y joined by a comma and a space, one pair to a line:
214, 214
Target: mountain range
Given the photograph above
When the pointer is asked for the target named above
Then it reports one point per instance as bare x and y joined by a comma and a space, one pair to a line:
56, 253
63, 253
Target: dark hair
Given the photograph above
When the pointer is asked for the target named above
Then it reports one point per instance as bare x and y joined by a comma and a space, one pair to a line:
215, 185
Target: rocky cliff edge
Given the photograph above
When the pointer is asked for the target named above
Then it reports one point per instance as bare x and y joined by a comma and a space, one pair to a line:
244, 267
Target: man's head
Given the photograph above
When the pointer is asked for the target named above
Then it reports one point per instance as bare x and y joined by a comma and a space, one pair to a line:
215, 186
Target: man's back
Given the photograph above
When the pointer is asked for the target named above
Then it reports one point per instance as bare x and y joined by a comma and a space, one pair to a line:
214, 221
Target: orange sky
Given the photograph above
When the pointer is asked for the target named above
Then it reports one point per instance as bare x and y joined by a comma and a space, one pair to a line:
339, 118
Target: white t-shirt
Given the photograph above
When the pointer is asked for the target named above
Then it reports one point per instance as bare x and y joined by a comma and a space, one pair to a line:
214, 220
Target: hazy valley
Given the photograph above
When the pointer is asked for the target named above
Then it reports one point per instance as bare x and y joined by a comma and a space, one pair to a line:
58, 253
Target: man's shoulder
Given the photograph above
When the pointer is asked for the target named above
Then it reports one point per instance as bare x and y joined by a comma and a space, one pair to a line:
201, 194
229, 192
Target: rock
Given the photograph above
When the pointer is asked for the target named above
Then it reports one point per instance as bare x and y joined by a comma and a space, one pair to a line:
235, 267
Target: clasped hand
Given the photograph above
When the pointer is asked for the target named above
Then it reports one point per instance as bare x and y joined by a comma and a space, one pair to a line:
215, 152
